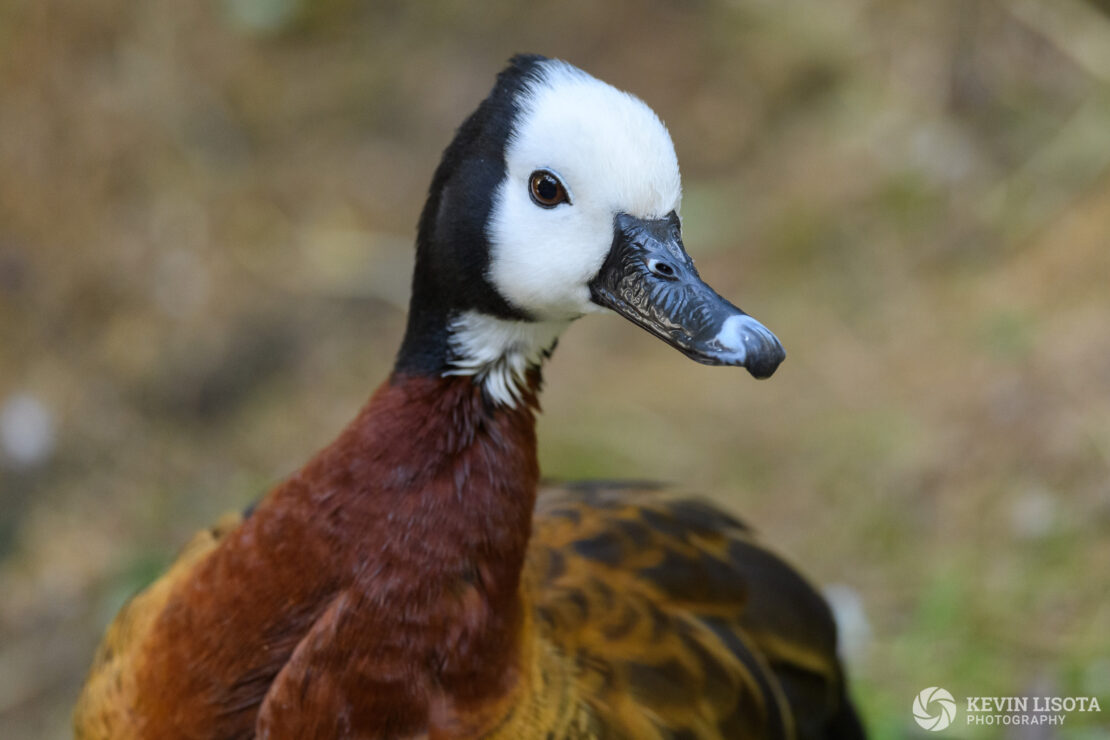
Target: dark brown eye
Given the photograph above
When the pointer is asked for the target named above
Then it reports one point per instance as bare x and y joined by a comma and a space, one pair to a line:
546, 189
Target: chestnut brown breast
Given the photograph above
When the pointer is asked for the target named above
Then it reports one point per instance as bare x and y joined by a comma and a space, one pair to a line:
379, 594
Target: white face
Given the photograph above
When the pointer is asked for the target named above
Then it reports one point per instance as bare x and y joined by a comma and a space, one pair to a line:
612, 155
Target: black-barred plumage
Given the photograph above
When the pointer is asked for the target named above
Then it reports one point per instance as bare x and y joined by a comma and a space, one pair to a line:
677, 611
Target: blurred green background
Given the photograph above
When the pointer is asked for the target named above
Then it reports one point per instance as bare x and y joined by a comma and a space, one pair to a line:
206, 218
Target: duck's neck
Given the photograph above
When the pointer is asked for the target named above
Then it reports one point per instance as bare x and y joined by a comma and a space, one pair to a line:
445, 483
456, 460
456, 475
433, 485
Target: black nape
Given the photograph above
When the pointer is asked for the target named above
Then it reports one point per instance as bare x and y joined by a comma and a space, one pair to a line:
452, 246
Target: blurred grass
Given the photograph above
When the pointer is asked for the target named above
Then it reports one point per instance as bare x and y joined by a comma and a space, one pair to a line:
206, 214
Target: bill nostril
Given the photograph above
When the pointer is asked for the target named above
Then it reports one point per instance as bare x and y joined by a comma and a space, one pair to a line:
660, 268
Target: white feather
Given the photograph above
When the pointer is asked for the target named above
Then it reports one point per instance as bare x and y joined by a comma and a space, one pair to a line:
499, 353
612, 153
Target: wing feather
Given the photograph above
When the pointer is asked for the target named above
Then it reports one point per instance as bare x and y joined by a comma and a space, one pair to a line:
677, 621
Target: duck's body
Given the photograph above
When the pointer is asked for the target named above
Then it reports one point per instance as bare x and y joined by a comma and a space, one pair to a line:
407, 583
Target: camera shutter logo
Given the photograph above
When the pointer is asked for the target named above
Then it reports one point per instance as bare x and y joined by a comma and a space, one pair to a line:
934, 709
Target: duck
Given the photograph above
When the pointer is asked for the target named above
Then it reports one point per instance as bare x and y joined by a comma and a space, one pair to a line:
415, 578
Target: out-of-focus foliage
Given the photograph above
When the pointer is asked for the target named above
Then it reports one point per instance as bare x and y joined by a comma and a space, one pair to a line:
206, 212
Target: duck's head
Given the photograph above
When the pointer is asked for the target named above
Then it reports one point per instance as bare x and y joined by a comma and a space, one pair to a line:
558, 197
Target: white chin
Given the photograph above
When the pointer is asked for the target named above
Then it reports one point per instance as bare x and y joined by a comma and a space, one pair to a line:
543, 304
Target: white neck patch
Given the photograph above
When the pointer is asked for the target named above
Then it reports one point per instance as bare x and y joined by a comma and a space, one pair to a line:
499, 352
613, 155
